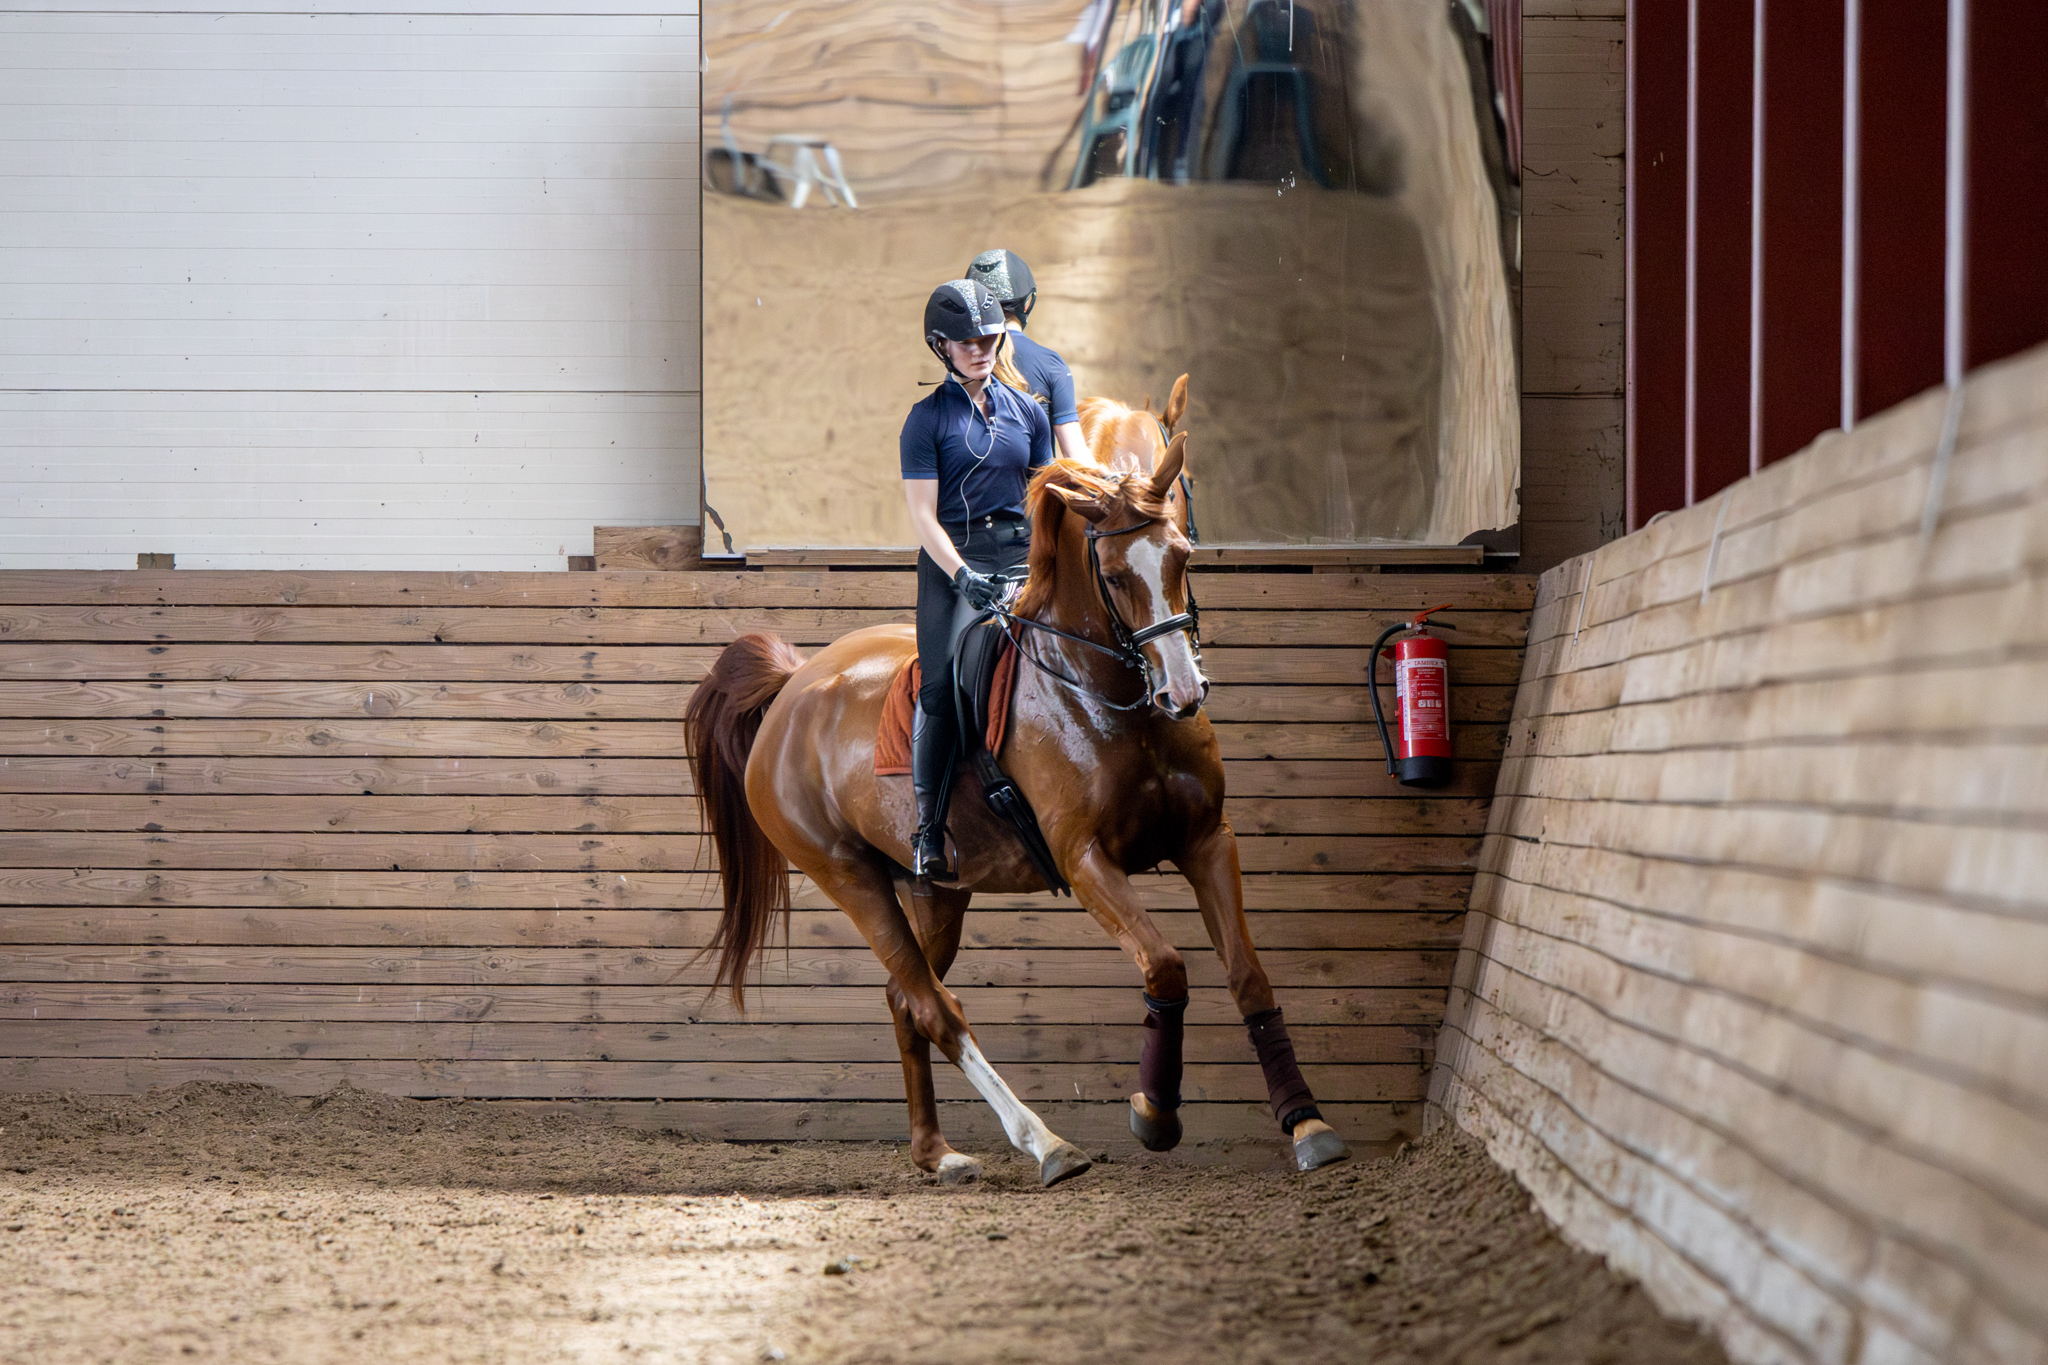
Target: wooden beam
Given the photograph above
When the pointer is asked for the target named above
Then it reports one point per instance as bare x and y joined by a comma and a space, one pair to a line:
663, 549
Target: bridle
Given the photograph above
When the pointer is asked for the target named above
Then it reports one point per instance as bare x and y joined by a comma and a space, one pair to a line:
1130, 644
1134, 641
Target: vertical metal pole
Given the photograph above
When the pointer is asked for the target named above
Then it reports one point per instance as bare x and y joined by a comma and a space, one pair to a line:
1631, 445
1955, 268
1692, 249
1756, 240
1955, 272
1852, 197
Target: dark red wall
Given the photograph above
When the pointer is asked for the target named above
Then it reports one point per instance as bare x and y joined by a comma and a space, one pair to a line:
1692, 67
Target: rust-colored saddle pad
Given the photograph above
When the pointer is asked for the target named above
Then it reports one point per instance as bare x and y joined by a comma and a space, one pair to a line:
892, 740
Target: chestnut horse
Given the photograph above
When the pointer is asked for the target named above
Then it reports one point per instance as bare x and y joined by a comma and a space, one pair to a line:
1131, 440
1106, 739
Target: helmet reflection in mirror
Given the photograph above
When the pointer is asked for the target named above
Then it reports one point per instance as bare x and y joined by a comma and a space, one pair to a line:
1009, 279
960, 310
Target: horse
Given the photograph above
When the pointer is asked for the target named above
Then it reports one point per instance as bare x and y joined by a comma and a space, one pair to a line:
1105, 737
1131, 440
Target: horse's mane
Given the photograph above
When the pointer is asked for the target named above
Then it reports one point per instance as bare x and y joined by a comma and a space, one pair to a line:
1125, 497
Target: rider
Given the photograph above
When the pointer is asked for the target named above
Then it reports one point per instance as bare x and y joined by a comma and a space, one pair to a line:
968, 449
1040, 367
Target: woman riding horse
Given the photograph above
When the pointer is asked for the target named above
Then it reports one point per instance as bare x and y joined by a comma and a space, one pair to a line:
1105, 737
967, 449
1029, 364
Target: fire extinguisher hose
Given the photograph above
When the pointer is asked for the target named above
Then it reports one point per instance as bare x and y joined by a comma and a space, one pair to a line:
1372, 678
1372, 683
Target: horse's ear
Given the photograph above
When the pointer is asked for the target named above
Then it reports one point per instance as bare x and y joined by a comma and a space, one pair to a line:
1169, 466
1176, 403
1079, 503
1148, 403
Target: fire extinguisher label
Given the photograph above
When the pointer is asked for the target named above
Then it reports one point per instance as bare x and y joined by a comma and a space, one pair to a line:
1422, 689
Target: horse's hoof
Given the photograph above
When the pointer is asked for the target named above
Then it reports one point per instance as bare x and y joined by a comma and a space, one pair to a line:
1322, 1148
1158, 1130
1062, 1163
955, 1169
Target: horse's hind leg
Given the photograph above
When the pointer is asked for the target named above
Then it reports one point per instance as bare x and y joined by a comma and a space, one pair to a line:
937, 920
864, 891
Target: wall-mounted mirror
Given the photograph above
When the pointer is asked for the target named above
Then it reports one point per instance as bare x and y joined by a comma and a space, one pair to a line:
1306, 205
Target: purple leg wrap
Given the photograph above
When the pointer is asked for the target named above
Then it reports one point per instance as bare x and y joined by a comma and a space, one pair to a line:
1284, 1086
1159, 1064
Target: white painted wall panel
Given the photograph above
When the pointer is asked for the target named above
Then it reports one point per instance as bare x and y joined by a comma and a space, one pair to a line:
296, 289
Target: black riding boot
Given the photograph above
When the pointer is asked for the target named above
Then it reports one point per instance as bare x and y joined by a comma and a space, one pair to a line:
931, 770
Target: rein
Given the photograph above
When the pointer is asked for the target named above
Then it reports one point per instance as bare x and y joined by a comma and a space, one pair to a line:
1130, 643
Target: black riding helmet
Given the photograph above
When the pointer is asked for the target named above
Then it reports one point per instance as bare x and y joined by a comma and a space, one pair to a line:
960, 310
1008, 278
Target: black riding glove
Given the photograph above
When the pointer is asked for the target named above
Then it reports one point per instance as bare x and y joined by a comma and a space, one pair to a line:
980, 590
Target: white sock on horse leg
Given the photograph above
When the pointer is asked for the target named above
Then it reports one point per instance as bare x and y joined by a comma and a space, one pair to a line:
1027, 1132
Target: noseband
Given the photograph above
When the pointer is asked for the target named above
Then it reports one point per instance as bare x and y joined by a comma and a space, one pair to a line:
1134, 641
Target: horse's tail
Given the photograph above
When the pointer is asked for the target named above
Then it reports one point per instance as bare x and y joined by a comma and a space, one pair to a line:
719, 728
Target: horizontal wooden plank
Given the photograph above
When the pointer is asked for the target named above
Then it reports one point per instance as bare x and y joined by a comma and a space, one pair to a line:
358, 588
306, 775
370, 663
688, 1080
766, 1004
176, 660
644, 890
1434, 930
638, 625
438, 625
599, 852
595, 776
1385, 1045
315, 700
1472, 704
1337, 554
370, 738
862, 556
718, 588
1250, 815
590, 701
665, 549
428, 965
1967, 859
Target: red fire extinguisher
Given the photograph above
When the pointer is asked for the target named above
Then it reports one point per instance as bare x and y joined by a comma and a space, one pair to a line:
1422, 701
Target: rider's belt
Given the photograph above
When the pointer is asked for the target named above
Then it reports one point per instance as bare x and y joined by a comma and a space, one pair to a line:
987, 523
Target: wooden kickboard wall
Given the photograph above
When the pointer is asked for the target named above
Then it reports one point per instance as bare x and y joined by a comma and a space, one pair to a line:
1754, 991
433, 834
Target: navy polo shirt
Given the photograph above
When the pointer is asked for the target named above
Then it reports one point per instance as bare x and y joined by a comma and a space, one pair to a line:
1047, 375
981, 465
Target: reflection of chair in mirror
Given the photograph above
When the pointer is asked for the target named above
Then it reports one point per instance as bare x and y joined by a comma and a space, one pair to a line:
813, 160
1278, 28
728, 170
1115, 110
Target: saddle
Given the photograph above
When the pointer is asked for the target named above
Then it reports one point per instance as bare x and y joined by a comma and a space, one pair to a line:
984, 676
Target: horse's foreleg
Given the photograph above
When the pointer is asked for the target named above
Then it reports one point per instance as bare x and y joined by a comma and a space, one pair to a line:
1107, 892
1211, 867
937, 920
866, 894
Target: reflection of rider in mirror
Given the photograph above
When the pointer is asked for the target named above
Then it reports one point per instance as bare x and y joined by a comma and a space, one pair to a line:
1038, 366
968, 449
